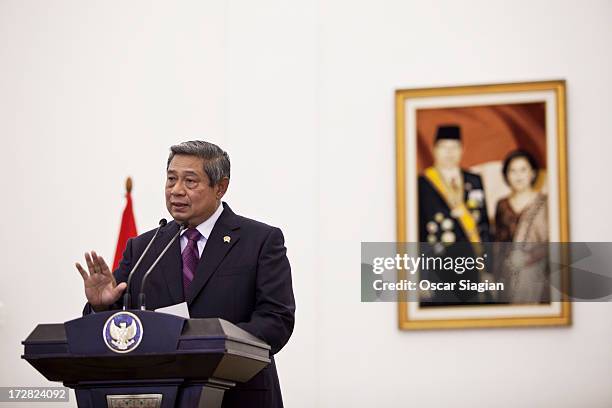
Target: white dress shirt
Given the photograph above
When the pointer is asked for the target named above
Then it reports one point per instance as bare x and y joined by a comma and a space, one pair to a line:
452, 176
205, 229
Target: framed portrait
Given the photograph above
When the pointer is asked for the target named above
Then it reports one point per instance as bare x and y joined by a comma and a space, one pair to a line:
485, 164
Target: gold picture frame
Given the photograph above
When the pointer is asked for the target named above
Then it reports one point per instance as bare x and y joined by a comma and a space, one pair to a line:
414, 105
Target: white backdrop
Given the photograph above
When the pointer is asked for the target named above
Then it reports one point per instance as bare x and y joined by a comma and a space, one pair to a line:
301, 95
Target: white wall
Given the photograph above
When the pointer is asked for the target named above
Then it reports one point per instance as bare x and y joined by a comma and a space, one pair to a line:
301, 95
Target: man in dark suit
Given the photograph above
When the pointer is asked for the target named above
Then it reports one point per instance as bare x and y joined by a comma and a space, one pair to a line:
224, 265
452, 211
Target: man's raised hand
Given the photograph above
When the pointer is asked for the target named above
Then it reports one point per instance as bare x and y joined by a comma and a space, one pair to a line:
101, 289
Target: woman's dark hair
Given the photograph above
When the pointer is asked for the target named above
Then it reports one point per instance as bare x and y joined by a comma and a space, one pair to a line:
517, 154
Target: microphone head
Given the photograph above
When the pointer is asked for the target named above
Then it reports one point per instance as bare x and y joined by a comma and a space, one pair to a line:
162, 222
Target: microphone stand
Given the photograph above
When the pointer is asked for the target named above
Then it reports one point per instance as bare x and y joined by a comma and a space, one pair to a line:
141, 296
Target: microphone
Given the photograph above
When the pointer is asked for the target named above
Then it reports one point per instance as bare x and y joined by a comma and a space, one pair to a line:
126, 295
141, 296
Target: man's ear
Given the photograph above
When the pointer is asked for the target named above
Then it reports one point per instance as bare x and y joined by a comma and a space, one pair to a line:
221, 187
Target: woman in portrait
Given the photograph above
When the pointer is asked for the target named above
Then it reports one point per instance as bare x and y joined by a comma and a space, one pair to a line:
522, 217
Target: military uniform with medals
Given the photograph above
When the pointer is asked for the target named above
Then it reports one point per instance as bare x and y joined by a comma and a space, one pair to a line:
453, 221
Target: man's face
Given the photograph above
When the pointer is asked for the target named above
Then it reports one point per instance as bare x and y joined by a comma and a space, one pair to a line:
447, 153
189, 197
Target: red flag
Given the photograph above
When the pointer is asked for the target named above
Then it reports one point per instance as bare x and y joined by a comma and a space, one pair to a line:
128, 225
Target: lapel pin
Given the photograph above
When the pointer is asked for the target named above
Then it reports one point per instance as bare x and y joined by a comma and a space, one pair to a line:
227, 238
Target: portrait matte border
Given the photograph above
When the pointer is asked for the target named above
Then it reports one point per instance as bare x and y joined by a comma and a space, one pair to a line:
563, 317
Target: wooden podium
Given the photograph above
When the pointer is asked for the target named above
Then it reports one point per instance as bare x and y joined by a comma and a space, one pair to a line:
145, 359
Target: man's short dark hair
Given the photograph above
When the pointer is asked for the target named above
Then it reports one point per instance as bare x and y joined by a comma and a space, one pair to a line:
216, 160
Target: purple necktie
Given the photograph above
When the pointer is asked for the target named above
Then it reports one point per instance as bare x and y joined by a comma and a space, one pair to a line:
191, 257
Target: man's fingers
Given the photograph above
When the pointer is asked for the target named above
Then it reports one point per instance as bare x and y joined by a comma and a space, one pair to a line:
106, 270
104, 266
96, 261
82, 271
90, 264
118, 290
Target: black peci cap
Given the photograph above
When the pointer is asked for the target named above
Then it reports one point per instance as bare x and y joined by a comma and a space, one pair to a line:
448, 132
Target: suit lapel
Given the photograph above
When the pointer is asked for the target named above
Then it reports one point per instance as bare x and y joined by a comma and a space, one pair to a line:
171, 264
224, 235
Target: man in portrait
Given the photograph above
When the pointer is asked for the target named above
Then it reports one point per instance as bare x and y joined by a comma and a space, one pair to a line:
224, 265
452, 208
